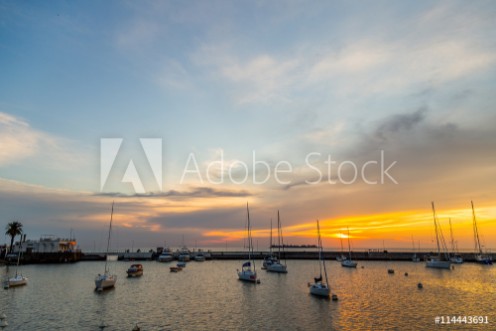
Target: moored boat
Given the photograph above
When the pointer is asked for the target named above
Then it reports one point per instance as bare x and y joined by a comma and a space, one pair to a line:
348, 262
441, 261
246, 273
278, 266
106, 280
319, 288
165, 257
480, 257
135, 270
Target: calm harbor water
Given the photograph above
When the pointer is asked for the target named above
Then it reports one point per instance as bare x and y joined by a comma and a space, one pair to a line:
208, 296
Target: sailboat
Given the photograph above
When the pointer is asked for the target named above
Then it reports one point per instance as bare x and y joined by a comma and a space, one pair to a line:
479, 256
106, 280
341, 257
319, 288
454, 257
415, 258
277, 266
348, 262
248, 274
18, 279
438, 261
268, 260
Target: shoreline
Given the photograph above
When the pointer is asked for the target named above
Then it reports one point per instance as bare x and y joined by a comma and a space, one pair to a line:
57, 258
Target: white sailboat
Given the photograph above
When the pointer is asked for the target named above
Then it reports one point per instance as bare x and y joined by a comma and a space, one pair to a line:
439, 261
277, 266
247, 273
454, 257
270, 259
18, 279
415, 258
107, 280
480, 257
348, 262
320, 288
341, 257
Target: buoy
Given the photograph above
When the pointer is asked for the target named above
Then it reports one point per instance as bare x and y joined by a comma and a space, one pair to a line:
136, 328
406, 273
363, 267
390, 271
102, 326
334, 297
419, 285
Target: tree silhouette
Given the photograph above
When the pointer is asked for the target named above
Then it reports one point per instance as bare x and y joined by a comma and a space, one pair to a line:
13, 229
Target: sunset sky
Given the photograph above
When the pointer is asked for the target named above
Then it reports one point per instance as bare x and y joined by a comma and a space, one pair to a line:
258, 97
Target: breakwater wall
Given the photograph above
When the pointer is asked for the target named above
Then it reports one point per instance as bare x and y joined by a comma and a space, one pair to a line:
69, 257
332, 255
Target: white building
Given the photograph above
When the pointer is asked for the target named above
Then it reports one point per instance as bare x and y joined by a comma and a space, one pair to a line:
47, 244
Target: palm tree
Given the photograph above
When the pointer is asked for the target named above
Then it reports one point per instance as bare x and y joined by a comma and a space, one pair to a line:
13, 229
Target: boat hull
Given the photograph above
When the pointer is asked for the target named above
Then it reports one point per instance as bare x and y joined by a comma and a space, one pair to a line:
277, 267
437, 264
135, 274
320, 290
105, 281
165, 258
349, 264
456, 259
248, 276
483, 259
17, 281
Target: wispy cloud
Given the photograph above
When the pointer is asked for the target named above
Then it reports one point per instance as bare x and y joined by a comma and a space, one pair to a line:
21, 142
199, 192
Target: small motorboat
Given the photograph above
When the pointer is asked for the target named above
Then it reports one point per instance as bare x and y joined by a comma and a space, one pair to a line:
165, 257
135, 270
175, 269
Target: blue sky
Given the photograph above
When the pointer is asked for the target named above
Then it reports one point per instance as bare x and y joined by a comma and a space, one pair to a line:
284, 79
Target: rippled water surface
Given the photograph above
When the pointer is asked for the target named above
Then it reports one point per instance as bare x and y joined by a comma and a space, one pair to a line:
208, 296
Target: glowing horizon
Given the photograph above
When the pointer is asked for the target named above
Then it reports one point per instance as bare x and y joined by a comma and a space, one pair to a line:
333, 113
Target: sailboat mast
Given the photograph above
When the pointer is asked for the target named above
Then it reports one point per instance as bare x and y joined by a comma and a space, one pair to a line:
349, 247
18, 255
278, 237
452, 238
271, 237
476, 231
436, 230
282, 238
108, 239
250, 242
323, 261
319, 243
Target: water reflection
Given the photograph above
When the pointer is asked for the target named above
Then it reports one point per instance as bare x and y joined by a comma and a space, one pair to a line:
209, 296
